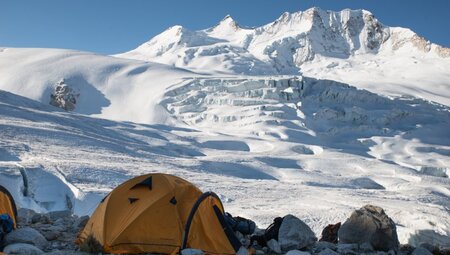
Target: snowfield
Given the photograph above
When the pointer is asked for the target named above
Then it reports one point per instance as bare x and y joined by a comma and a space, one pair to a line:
269, 118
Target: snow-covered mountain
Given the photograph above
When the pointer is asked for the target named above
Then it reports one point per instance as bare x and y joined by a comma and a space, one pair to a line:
314, 114
350, 46
281, 47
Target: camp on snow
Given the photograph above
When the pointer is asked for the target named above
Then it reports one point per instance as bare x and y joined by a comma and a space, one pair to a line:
160, 213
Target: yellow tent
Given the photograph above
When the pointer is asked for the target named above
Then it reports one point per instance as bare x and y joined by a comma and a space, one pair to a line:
7, 204
160, 213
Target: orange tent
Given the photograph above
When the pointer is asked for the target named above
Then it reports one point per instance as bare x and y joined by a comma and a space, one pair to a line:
7, 205
160, 213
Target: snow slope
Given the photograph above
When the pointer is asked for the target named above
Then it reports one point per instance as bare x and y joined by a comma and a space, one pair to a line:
109, 87
334, 150
350, 46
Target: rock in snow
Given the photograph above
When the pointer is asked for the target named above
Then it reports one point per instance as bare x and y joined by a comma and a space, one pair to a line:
64, 96
295, 234
370, 224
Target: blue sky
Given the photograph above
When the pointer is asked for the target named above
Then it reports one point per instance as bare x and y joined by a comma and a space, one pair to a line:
111, 26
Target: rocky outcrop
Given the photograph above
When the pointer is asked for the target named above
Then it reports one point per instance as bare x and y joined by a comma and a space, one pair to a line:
64, 96
443, 51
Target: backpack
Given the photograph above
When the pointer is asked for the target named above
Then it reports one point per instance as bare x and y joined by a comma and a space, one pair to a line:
240, 224
6, 225
271, 232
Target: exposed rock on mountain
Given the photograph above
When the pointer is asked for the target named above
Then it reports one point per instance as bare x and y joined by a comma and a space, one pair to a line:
64, 96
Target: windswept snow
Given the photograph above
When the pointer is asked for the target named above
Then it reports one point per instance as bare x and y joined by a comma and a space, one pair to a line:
315, 114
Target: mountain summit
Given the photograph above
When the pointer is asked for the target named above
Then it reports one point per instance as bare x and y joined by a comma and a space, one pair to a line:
285, 45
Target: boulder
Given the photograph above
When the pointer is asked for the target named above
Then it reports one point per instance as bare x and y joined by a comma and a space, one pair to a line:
328, 251
24, 215
371, 225
66, 252
81, 222
330, 233
59, 222
347, 248
192, 252
297, 252
322, 245
26, 235
406, 249
366, 247
259, 252
421, 251
430, 247
274, 246
294, 234
51, 235
36, 218
55, 215
22, 249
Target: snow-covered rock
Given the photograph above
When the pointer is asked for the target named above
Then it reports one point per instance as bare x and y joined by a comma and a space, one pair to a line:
371, 225
295, 234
